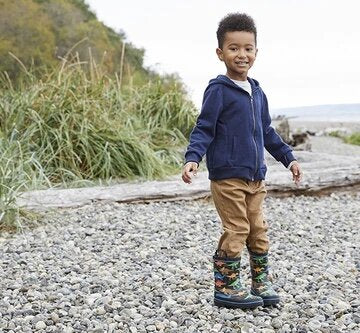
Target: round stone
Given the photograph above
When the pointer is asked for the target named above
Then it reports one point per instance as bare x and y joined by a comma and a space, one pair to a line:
40, 325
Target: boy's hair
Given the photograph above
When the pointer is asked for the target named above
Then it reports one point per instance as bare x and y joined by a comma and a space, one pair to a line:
235, 22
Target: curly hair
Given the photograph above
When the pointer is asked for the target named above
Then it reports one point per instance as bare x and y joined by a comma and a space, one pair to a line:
235, 22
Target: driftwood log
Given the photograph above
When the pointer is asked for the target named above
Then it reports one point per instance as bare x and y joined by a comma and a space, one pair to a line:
322, 173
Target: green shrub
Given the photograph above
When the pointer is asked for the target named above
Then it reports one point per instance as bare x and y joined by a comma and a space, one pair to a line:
336, 134
77, 125
18, 171
353, 139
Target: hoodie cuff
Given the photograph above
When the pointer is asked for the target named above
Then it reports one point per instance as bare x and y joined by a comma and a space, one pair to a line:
287, 159
192, 161
192, 157
291, 164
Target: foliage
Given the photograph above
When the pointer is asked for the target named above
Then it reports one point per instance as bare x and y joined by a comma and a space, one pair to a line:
78, 124
66, 121
26, 32
40, 33
353, 139
18, 171
336, 134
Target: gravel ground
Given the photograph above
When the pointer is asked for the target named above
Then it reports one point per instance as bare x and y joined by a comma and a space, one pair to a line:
331, 145
147, 268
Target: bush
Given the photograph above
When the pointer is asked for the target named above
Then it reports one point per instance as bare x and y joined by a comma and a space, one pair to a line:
353, 139
336, 134
79, 125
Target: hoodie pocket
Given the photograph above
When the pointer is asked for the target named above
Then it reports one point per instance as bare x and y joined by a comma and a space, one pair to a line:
220, 153
240, 152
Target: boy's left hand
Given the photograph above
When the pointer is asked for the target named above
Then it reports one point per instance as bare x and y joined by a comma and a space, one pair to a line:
297, 173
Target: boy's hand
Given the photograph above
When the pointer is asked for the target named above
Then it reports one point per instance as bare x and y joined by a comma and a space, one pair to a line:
188, 168
297, 173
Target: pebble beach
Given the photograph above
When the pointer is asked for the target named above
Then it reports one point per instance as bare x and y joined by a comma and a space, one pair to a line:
147, 267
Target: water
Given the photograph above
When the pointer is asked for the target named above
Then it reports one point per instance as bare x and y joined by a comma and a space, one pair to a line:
339, 112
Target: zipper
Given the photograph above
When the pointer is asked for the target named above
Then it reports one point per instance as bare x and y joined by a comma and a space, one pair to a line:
256, 150
253, 110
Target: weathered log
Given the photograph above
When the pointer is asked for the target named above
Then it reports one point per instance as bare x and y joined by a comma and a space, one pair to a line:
322, 172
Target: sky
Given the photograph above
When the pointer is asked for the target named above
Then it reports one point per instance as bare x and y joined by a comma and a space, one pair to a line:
308, 50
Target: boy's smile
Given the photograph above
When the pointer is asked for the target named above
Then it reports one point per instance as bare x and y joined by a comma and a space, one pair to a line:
238, 53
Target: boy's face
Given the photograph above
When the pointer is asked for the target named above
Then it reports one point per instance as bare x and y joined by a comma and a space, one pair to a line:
238, 53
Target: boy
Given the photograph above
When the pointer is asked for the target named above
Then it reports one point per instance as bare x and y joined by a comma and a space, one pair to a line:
233, 129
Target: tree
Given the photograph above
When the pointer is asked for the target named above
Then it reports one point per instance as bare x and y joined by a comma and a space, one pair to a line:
25, 31
41, 32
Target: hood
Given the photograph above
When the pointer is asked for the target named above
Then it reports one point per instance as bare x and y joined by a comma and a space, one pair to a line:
223, 79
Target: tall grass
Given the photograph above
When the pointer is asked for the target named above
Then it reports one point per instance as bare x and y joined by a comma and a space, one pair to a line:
18, 171
353, 139
77, 124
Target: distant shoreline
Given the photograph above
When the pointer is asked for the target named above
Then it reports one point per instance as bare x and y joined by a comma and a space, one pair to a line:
321, 125
319, 118
316, 126
336, 113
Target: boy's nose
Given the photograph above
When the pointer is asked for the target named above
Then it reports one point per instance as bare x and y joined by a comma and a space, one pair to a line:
241, 53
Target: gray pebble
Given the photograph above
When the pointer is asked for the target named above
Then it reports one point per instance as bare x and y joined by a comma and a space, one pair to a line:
276, 323
133, 329
40, 325
148, 268
314, 324
229, 316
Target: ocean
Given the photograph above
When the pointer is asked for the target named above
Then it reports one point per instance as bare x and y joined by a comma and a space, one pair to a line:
333, 112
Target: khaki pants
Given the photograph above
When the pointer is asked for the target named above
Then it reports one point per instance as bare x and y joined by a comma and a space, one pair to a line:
239, 204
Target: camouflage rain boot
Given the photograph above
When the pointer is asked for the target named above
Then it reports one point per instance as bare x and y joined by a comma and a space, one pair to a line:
228, 289
261, 285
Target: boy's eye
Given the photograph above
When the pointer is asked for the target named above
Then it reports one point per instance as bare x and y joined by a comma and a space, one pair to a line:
233, 49
250, 49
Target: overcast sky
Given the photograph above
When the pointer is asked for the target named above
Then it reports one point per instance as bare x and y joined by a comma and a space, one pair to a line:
309, 50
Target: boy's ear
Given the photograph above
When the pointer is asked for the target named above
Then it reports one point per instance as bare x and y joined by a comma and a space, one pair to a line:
219, 53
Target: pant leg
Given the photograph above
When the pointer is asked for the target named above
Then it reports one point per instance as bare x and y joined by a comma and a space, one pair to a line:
229, 196
257, 241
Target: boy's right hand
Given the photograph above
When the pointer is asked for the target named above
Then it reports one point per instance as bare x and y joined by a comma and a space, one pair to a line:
297, 173
189, 167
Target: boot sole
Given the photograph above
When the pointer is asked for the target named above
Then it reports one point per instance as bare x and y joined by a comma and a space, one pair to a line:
229, 304
271, 301
267, 300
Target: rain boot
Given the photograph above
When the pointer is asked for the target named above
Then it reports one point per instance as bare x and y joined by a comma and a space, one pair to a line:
261, 285
228, 289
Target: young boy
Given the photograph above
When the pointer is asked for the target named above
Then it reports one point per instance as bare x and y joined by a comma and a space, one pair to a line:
233, 129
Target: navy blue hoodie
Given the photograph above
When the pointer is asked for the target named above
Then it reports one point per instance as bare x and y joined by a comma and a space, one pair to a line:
232, 129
